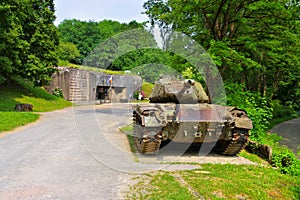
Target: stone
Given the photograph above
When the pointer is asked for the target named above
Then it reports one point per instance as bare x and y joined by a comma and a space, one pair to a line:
262, 150
23, 107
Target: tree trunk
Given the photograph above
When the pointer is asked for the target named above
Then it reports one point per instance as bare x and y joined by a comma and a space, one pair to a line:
265, 85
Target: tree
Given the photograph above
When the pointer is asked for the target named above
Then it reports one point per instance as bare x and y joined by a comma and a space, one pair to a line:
10, 46
86, 35
29, 39
253, 42
121, 51
68, 51
42, 36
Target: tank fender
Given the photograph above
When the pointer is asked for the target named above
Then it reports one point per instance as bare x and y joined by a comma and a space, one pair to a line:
244, 123
241, 119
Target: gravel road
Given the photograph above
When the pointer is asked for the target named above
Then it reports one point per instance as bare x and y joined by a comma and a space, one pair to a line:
78, 153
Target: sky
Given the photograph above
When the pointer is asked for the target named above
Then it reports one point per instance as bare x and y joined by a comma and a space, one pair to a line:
98, 10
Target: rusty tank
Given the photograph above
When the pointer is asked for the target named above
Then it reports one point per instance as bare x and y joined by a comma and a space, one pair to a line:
180, 111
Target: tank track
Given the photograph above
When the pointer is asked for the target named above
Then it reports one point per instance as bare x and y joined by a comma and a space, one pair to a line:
146, 145
236, 145
149, 145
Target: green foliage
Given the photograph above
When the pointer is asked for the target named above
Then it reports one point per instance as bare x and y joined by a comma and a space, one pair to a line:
280, 110
28, 40
68, 51
87, 35
261, 112
10, 30
281, 113
252, 42
120, 51
107, 71
151, 72
285, 159
192, 73
58, 92
150, 59
257, 107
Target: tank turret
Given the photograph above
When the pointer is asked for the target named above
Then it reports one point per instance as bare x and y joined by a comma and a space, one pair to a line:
169, 90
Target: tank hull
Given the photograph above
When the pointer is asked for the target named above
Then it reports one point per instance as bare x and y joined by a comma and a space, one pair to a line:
190, 123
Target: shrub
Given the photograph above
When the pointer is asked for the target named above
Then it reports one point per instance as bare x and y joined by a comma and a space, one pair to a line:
58, 92
281, 111
285, 160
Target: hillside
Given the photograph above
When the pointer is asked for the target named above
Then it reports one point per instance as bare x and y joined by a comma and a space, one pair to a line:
20, 91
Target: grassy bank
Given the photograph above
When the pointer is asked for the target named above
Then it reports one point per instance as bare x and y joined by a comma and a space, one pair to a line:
216, 181
20, 91
11, 120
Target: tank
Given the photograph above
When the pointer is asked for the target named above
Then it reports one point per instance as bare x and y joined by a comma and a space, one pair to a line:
180, 111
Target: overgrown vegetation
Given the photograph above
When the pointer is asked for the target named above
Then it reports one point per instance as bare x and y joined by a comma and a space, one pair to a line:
22, 91
216, 181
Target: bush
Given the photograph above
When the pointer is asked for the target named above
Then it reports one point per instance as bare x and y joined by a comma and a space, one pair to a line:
281, 111
285, 160
58, 92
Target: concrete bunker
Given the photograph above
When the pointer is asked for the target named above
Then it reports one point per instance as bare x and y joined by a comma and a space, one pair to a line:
82, 86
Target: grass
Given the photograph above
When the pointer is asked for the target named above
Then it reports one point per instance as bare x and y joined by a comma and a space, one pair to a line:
20, 91
221, 182
141, 101
253, 158
128, 130
11, 120
96, 69
159, 186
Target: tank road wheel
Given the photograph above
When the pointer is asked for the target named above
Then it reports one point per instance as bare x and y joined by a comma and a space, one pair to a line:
235, 145
146, 144
139, 144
